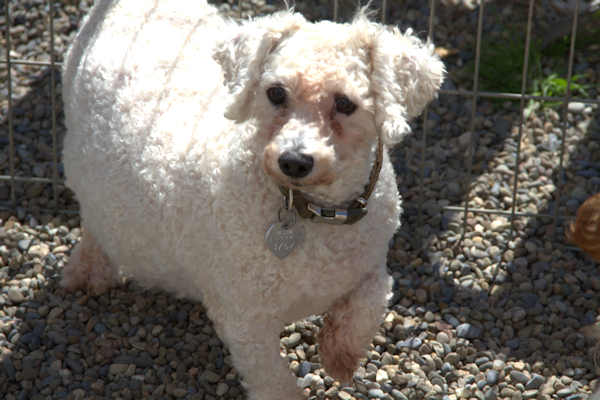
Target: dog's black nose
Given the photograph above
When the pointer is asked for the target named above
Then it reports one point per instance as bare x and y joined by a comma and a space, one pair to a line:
295, 165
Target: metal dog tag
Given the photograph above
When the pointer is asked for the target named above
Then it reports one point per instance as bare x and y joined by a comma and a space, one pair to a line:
283, 237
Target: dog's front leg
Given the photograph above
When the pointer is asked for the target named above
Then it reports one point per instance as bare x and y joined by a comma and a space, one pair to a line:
350, 324
254, 347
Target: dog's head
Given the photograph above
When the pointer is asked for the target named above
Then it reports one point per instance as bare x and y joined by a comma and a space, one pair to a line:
320, 94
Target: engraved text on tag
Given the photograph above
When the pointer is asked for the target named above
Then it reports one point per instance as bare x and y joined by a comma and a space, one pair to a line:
283, 237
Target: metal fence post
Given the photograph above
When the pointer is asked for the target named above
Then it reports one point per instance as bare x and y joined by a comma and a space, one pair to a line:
565, 122
522, 105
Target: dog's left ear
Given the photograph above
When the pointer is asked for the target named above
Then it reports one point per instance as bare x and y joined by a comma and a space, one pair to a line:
242, 55
406, 74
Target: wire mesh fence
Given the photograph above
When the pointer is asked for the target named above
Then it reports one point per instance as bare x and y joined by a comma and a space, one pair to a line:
53, 67
475, 94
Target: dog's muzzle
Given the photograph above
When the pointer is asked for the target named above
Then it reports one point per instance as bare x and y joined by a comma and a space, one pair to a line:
336, 216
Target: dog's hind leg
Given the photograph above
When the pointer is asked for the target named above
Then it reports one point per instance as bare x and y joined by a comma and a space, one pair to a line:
350, 324
254, 347
89, 268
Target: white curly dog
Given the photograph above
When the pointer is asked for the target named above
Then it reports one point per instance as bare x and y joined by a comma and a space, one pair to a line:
180, 177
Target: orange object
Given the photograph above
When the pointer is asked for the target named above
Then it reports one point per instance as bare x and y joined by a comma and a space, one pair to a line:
585, 232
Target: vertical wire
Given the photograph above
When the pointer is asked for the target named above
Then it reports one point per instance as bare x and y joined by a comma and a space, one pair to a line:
384, 12
335, 10
522, 106
425, 118
53, 103
11, 140
472, 138
565, 122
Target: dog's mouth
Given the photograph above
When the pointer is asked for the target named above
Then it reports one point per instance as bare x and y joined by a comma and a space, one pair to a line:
296, 183
303, 184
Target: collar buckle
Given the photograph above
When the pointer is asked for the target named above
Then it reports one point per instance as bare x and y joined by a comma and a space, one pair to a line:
328, 215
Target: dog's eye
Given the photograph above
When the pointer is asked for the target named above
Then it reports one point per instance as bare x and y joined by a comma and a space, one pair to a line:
276, 95
345, 106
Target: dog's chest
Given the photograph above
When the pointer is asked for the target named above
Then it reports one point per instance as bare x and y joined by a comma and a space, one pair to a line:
325, 265
236, 213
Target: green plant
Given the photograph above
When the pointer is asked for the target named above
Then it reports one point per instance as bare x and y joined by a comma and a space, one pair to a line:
501, 70
502, 60
501, 64
555, 86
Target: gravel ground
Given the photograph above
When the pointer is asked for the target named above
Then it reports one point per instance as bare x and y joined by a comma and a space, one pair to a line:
483, 318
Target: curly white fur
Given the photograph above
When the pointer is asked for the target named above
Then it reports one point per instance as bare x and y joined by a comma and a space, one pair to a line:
177, 173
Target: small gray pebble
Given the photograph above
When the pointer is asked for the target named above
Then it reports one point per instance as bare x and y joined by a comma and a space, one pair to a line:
451, 320
23, 245
26, 338
143, 361
9, 368
48, 380
303, 369
99, 329
565, 392
412, 343
57, 338
376, 393
398, 395
467, 331
519, 377
491, 377
74, 365
446, 368
491, 394
135, 384
535, 382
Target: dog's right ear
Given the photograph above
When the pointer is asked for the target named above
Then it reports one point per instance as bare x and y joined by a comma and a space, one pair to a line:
242, 55
405, 75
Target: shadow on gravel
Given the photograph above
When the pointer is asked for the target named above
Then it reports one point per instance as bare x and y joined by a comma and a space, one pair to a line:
526, 298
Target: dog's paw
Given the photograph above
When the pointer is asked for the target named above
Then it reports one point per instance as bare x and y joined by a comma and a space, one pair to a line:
340, 361
75, 279
72, 283
339, 350
341, 365
89, 269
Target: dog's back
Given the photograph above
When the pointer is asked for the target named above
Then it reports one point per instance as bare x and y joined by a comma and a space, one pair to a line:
143, 97
135, 59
